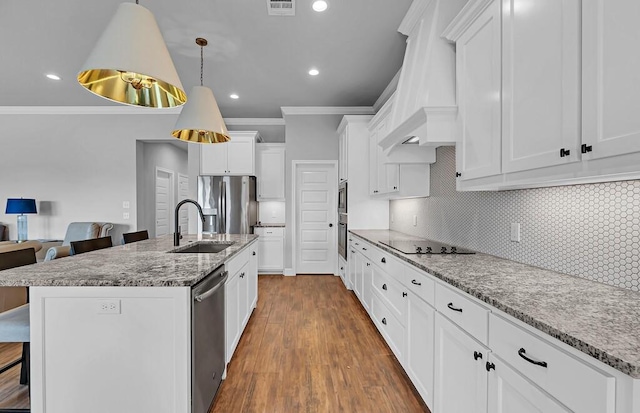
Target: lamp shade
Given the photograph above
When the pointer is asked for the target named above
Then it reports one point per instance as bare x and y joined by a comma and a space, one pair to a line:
131, 64
200, 120
21, 206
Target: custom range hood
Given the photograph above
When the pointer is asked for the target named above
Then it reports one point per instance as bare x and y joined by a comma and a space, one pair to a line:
425, 101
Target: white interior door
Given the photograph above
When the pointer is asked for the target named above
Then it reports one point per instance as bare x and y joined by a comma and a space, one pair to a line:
316, 242
164, 201
183, 193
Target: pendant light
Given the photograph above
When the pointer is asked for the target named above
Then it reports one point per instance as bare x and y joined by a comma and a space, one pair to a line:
130, 63
200, 120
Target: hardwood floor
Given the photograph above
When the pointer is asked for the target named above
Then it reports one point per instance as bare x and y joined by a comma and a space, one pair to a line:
12, 393
311, 347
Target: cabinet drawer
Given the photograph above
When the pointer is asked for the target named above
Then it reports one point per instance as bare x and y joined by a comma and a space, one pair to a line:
366, 249
392, 291
389, 264
472, 317
269, 232
390, 327
580, 387
237, 262
422, 284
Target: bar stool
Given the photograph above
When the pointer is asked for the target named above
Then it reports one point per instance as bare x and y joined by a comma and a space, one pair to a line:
14, 323
130, 237
80, 247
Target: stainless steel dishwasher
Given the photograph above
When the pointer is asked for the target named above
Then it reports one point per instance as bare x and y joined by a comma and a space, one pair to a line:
207, 339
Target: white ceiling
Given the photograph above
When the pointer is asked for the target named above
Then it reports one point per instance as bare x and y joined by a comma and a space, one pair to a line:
265, 59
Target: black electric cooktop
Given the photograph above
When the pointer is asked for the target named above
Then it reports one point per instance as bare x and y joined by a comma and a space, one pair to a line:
425, 247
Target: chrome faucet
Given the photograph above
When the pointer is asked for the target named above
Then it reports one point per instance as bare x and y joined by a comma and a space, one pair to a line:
176, 235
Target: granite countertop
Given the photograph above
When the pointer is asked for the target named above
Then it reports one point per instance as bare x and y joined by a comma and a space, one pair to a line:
264, 225
597, 319
146, 263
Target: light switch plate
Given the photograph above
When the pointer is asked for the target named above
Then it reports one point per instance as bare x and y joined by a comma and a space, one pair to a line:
415, 220
125, 205
515, 232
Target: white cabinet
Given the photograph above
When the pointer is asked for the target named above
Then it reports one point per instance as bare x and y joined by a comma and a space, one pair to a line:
352, 265
610, 77
270, 171
510, 392
343, 158
271, 249
241, 296
419, 363
540, 83
478, 59
460, 373
343, 271
383, 177
236, 157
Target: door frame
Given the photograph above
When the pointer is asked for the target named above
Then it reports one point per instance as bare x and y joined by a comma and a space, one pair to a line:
294, 209
172, 198
178, 199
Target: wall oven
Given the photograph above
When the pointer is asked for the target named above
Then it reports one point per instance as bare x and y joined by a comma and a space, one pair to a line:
342, 198
342, 235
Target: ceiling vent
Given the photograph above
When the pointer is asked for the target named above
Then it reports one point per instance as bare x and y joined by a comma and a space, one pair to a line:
281, 7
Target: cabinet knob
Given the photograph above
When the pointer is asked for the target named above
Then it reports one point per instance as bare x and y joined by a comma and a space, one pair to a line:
477, 355
404, 294
384, 287
564, 152
254, 253
384, 321
451, 307
490, 366
414, 282
458, 174
586, 148
383, 260
368, 264
395, 187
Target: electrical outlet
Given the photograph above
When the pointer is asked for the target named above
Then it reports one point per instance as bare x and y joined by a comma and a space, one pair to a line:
125, 215
515, 232
125, 204
111, 306
415, 220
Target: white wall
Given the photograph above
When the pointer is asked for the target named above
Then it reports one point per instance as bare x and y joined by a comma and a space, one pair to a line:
307, 137
78, 167
163, 155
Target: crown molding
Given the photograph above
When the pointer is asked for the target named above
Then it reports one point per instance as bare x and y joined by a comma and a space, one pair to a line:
469, 13
413, 16
85, 110
327, 110
254, 121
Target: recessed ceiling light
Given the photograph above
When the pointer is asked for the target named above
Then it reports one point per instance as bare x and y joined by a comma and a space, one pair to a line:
53, 77
314, 72
320, 5
234, 96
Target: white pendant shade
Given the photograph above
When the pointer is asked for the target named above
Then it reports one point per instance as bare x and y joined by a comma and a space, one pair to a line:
130, 63
200, 120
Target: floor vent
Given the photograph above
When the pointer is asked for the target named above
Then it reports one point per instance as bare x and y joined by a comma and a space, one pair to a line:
281, 7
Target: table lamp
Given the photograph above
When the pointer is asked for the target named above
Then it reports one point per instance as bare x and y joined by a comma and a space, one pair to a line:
21, 206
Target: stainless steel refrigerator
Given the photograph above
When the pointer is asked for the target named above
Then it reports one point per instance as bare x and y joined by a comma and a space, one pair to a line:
229, 203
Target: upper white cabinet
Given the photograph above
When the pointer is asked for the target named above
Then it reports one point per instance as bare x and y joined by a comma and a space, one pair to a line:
343, 158
383, 177
236, 157
270, 171
610, 77
540, 83
568, 95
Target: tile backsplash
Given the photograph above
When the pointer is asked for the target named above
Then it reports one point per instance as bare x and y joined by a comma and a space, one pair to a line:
591, 231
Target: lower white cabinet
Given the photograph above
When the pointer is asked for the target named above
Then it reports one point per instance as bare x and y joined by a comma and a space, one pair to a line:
241, 295
460, 373
510, 392
420, 346
271, 249
343, 271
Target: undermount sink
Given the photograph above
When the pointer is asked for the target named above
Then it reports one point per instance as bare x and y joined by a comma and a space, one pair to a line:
203, 248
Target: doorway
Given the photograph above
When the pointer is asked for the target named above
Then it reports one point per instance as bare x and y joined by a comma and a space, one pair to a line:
314, 217
164, 201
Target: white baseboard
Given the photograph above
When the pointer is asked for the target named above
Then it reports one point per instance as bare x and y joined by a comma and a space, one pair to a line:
289, 272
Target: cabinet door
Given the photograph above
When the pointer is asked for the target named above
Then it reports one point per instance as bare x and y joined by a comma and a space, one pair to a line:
373, 163
420, 346
352, 268
611, 77
359, 272
243, 302
240, 154
271, 253
367, 278
479, 99
541, 72
252, 274
232, 315
460, 374
271, 174
343, 156
510, 392
213, 159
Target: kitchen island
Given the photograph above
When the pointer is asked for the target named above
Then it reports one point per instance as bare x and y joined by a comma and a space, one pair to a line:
111, 329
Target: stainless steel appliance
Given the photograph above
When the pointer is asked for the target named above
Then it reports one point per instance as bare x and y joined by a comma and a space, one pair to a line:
342, 235
342, 198
424, 247
229, 203
207, 339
